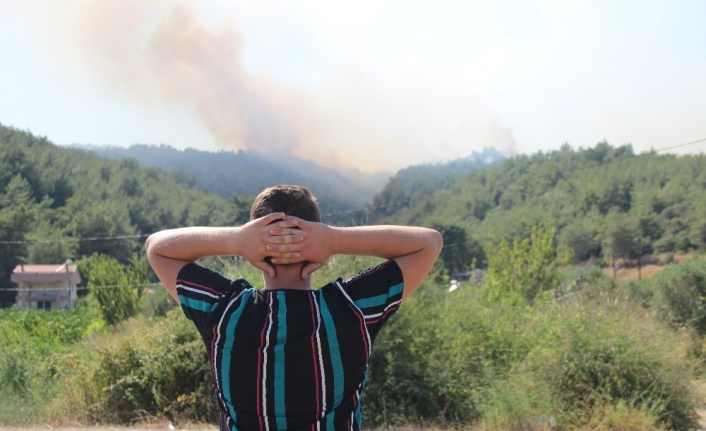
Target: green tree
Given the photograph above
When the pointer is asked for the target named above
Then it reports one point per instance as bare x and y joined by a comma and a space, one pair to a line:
16, 216
117, 288
239, 209
581, 237
520, 271
623, 238
460, 252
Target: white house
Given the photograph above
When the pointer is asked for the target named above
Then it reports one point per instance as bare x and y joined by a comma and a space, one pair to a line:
46, 287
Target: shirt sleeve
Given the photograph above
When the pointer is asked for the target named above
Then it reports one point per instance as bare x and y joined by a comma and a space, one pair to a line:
201, 291
377, 292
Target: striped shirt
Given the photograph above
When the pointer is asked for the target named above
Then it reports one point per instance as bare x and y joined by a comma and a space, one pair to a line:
290, 359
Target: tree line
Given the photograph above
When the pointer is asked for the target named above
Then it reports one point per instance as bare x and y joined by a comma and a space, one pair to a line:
604, 202
50, 197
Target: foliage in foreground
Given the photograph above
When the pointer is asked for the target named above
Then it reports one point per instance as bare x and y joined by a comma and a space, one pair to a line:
35, 355
160, 370
506, 365
117, 288
579, 356
680, 295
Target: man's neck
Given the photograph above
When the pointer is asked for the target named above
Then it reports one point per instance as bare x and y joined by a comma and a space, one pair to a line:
288, 277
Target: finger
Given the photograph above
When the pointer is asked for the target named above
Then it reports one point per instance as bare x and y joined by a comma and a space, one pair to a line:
282, 231
291, 240
282, 248
309, 268
289, 256
286, 222
286, 260
265, 267
269, 218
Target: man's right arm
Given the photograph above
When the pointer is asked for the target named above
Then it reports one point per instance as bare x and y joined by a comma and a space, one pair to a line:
415, 249
170, 250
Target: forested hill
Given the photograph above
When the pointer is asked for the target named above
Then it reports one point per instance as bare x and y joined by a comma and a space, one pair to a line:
414, 182
52, 196
603, 201
249, 172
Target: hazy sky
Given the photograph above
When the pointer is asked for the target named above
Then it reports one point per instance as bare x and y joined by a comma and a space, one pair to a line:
373, 84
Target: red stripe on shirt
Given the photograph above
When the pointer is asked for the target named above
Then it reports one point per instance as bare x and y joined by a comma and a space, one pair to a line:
259, 375
199, 286
314, 357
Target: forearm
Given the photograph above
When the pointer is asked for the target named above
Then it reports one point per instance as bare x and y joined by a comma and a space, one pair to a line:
193, 243
414, 249
387, 242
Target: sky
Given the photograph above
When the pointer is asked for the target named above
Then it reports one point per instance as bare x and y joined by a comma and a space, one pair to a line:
375, 85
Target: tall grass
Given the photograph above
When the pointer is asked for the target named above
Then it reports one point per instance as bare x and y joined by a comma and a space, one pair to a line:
35, 353
454, 358
588, 354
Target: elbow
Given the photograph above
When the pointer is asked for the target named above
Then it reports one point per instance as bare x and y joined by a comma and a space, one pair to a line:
436, 241
150, 245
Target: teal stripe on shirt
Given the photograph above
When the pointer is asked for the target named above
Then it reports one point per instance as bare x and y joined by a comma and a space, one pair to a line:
228, 339
197, 305
336, 363
376, 301
279, 373
359, 407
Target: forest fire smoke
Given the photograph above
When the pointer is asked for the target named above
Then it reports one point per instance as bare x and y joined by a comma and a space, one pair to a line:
182, 61
167, 56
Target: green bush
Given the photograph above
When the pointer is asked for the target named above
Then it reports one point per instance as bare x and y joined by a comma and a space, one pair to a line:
159, 371
34, 346
432, 359
452, 358
587, 357
157, 302
520, 272
588, 282
680, 295
117, 288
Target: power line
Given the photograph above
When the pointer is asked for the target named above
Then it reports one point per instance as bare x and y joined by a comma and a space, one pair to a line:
62, 289
679, 146
97, 238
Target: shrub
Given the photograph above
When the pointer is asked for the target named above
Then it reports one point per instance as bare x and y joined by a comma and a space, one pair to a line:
117, 287
159, 371
589, 282
680, 295
442, 348
157, 302
33, 345
454, 359
590, 357
521, 271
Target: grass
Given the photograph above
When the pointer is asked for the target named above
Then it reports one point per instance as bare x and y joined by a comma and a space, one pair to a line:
589, 360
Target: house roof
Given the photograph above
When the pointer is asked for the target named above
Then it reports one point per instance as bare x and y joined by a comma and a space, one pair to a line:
45, 269
59, 271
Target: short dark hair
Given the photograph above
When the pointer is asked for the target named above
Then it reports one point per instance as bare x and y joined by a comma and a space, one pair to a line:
295, 201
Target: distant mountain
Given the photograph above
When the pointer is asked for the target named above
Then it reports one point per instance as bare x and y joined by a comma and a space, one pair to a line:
412, 183
443, 174
249, 172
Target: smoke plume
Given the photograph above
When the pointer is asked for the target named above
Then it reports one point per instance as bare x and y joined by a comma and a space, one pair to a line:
167, 54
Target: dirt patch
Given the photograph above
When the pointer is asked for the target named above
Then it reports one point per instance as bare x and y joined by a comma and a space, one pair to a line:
652, 265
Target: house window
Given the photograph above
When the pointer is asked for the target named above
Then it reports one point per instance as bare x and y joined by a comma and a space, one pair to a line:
43, 305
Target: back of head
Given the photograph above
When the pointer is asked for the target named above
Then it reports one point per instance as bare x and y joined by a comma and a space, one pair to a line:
295, 201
